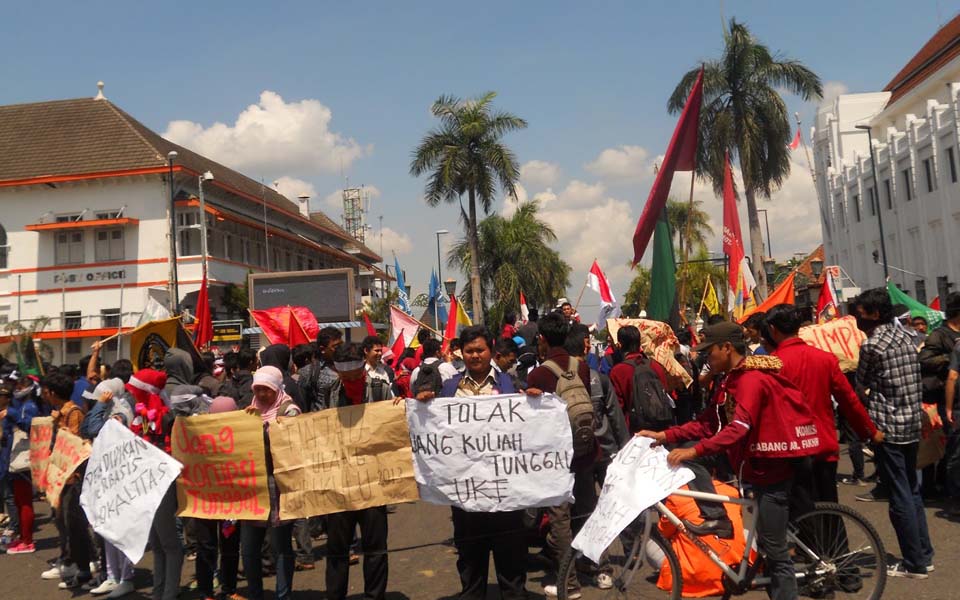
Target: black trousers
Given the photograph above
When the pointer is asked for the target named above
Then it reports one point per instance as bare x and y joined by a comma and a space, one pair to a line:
75, 544
373, 540
476, 535
211, 544
703, 482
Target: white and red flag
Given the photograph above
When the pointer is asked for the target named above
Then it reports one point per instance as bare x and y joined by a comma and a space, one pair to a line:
597, 282
741, 281
524, 311
796, 140
828, 303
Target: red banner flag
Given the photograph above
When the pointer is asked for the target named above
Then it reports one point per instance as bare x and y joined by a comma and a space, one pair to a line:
203, 330
451, 331
827, 303
291, 325
370, 328
740, 279
681, 156
796, 140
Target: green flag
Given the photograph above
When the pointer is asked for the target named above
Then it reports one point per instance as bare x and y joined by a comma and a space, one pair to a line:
28, 363
663, 278
917, 309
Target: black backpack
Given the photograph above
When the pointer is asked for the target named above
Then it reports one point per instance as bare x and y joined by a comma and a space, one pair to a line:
650, 407
428, 379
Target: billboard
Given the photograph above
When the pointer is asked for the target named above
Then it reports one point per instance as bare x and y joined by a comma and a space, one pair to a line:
328, 293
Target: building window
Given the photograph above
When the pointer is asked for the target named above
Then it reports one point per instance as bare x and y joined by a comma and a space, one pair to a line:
226, 247
873, 202
921, 291
188, 233
951, 159
886, 188
856, 208
74, 346
110, 318
928, 170
69, 218
4, 248
68, 249
107, 214
71, 320
906, 184
841, 216
109, 244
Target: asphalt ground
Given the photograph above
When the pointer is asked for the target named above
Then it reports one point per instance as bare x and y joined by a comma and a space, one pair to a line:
422, 560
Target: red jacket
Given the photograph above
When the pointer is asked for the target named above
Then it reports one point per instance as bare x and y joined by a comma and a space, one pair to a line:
759, 419
817, 374
621, 378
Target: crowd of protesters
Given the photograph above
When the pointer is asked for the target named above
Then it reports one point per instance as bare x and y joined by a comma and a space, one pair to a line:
709, 426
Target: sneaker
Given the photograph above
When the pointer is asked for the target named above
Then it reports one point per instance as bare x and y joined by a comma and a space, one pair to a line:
868, 452
604, 581
60, 572
74, 582
106, 587
898, 570
551, 591
853, 481
122, 589
51, 573
21, 548
931, 568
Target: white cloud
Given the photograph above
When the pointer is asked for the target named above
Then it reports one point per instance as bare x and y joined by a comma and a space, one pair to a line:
393, 241
628, 163
539, 173
292, 188
273, 136
832, 89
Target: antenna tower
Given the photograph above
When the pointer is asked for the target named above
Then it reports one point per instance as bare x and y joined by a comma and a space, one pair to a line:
354, 214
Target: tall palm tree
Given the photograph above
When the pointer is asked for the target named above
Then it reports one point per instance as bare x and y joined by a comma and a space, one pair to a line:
744, 114
678, 213
514, 255
465, 155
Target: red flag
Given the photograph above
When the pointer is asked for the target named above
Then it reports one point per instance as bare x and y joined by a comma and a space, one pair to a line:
397, 350
370, 328
203, 330
681, 156
290, 325
451, 330
935, 304
524, 311
740, 279
307, 321
296, 333
796, 140
827, 303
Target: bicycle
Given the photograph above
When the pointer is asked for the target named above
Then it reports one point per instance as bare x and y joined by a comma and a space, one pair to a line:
837, 553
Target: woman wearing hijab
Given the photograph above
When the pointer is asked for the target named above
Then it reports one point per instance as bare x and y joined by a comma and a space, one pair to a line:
270, 402
278, 355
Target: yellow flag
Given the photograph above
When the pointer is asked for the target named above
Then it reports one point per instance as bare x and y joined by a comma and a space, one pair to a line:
462, 317
710, 301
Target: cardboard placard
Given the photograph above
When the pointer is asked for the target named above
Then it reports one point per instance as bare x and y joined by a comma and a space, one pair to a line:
342, 459
41, 444
224, 467
492, 453
658, 342
839, 337
69, 452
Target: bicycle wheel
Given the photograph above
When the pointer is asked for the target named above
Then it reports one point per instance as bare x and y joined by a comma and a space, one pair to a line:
633, 578
836, 549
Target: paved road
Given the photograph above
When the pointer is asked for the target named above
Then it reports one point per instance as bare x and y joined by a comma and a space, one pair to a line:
422, 561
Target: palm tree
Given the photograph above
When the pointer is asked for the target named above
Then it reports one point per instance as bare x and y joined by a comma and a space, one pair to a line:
743, 114
465, 155
514, 255
678, 213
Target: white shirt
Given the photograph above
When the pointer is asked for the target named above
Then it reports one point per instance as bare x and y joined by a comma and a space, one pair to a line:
446, 370
378, 372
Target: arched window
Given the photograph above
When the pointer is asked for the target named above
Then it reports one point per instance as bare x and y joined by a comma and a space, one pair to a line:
4, 248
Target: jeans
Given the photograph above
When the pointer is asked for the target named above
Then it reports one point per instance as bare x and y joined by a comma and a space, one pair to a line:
9, 503
251, 541
773, 514
567, 519
373, 538
898, 467
855, 448
476, 535
167, 551
302, 535
119, 567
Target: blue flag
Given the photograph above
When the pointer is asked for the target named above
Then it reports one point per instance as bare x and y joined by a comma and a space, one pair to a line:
436, 299
403, 300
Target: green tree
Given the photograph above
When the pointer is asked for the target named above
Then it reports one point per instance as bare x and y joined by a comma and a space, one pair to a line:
466, 155
698, 269
679, 213
743, 114
379, 308
236, 300
638, 294
515, 255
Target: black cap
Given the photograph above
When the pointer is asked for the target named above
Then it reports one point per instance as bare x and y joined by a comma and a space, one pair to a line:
725, 331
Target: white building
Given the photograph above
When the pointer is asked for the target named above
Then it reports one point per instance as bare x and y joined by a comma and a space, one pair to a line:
84, 232
915, 125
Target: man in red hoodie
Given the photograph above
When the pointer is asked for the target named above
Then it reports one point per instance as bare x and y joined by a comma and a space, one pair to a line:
817, 374
762, 422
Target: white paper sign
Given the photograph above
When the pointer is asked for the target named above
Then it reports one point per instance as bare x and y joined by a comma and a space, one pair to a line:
492, 453
125, 481
638, 478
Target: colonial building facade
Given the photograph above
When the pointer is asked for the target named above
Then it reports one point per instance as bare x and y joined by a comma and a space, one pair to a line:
915, 126
84, 232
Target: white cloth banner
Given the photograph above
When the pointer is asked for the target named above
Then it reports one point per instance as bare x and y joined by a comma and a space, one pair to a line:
125, 481
492, 453
638, 478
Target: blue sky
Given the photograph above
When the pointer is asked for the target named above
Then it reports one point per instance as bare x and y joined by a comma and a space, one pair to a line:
350, 84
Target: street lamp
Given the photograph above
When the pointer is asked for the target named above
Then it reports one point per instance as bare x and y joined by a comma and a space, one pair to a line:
450, 286
770, 268
436, 302
816, 267
767, 222
876, 197
174, 287
207, 176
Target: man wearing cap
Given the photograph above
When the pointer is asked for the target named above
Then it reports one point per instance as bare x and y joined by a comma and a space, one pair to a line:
761, 421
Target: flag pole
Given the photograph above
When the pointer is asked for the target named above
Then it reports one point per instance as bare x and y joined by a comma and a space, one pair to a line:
576, 307
686, 246
704, 297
